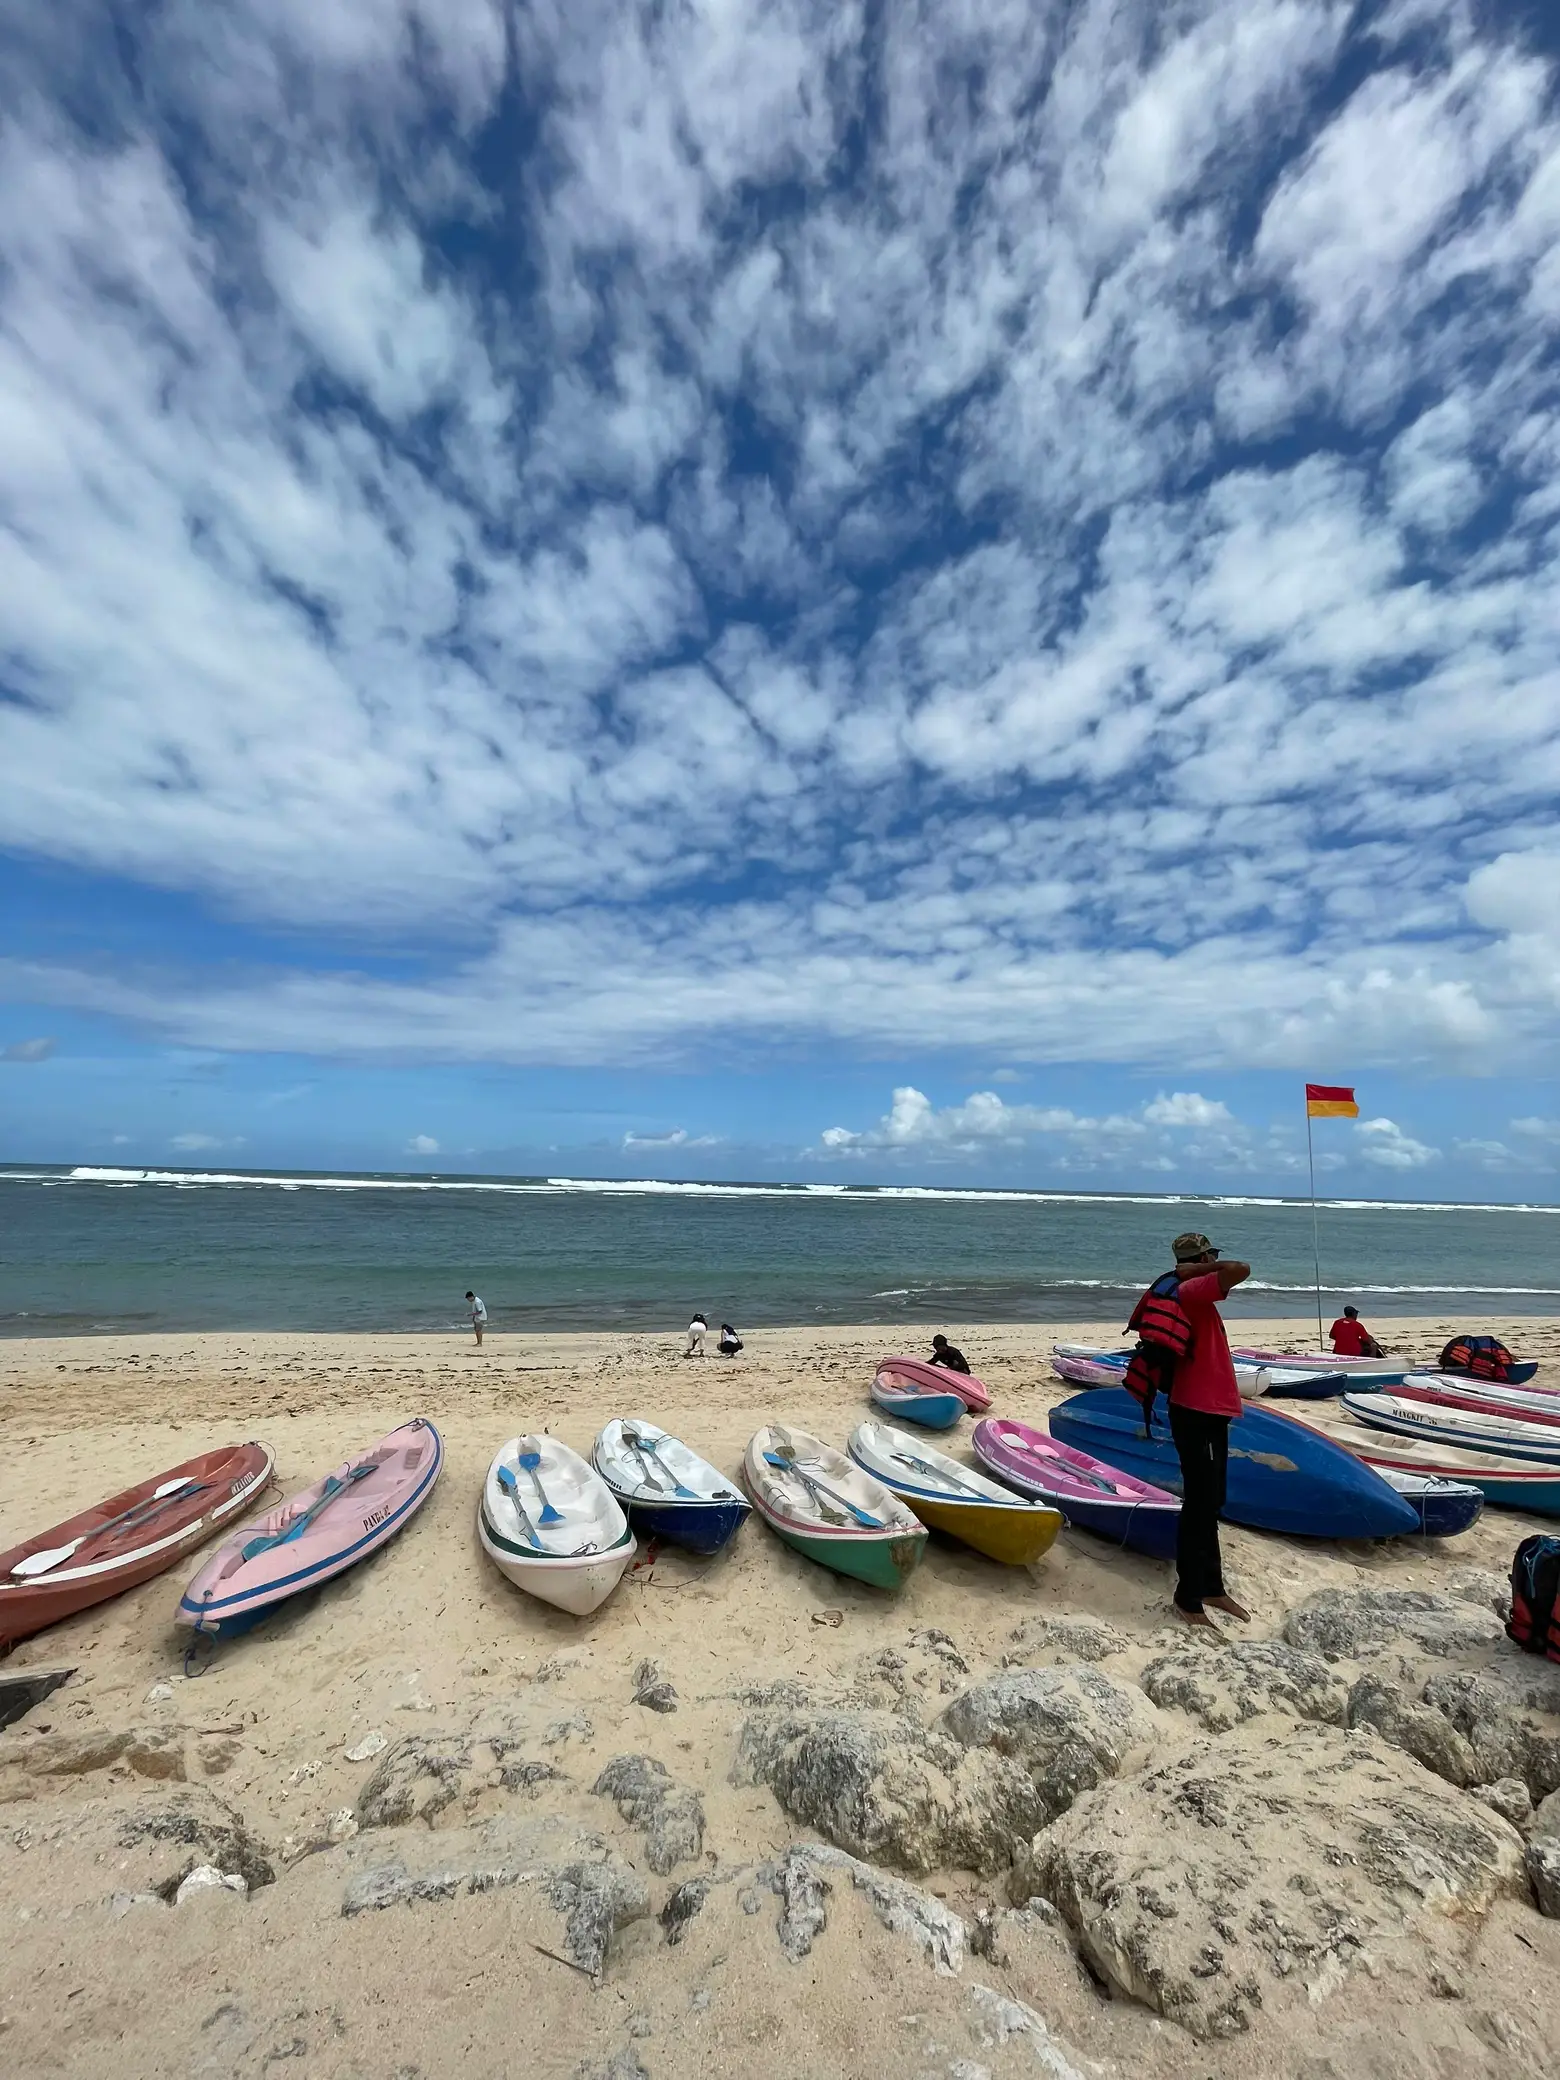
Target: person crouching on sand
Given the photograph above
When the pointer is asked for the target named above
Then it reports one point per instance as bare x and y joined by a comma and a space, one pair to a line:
698, 1329
1199, 1382
478, 1315
730, 1342
945, 1353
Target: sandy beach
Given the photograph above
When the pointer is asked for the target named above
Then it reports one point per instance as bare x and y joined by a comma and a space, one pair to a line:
124, 1777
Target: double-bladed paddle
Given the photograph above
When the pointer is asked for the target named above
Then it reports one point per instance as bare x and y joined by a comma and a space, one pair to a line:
41, 1563
327, 1495
784, 1456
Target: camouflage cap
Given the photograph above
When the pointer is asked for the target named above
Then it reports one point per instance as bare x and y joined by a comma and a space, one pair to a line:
1192, 1245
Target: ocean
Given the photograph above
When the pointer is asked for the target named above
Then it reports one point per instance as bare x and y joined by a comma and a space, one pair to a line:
92, 1250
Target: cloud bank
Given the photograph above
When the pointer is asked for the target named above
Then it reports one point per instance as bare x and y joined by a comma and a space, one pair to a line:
783, 523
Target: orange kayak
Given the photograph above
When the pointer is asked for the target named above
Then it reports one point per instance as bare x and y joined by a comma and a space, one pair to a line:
126, 1539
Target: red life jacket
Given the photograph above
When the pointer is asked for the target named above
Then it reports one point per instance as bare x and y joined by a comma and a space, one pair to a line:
1164, 1340
1479, 1357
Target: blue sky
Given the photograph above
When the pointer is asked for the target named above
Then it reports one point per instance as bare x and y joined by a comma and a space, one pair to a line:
959, 593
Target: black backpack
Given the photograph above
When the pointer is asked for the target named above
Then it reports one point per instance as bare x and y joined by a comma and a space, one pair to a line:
1535, 1582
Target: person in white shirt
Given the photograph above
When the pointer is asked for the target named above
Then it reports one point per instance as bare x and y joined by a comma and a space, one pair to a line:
478, 1316
698, 1329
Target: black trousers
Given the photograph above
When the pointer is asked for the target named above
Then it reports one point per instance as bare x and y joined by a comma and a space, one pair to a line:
1202, 1444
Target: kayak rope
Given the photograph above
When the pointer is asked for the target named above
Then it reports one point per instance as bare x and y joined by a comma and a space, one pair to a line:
208, 1640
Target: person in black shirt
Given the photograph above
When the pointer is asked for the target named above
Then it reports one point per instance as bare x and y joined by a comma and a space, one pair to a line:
730, 1342
943, 1353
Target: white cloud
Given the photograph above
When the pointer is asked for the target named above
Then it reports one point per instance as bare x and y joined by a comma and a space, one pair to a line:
194, 1144
422, 1145
1186, 1109
38, 1050
676, 1138
1535, 1129
1386, 1145
993, 594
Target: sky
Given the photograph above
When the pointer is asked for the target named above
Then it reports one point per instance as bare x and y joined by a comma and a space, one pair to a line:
963, 592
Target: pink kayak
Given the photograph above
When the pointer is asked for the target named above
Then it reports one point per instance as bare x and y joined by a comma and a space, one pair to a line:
1088, 1493
922, 1378
317, 1533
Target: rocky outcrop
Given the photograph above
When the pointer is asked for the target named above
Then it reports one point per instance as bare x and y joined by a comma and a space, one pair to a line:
1350, 1623
804, 1878
1064, 1638
1068, 1728
670, 1815
1418, 1729
878, 1785
194, 1828
156, 1752
440, 1777
1256, 1868
1505, 1741
1543, 1869
1238, 1682
597, 1895
652, 1690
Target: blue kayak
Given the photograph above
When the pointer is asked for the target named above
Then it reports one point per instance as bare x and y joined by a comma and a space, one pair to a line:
1282, 1475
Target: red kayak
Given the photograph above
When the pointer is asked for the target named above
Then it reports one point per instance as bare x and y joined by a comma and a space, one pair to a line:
937, 1379
127, 1539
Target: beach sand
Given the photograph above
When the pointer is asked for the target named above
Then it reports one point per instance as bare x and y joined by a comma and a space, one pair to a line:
426, 1639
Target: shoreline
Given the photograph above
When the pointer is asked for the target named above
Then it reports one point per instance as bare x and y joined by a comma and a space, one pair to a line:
504, 1719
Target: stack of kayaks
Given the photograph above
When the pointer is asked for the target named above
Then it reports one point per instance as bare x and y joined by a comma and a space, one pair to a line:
1087, 1492
316, 1534
1360, 1372
1283, 1475
667, 1490
913, 1404
916, 1374
1512, 1483
550, 1523
1458, 1390
828, 1509
948, 1496
1081, 1366
126, 1539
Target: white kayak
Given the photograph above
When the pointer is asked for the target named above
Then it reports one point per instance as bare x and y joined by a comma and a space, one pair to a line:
550, 1523
1084, 1366
1460, 1391
1512, 1436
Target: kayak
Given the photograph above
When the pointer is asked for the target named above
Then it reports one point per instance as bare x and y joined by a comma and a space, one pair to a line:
317, 1533
1089, 1494
826, 1508
126, 1539
1457, 1390
551, 1525
1085, 1368
951, 1497
937, 1379
1512, 1483
1512, 1436
1361, 1372
1445, 1507
1283, 1474
667, 1490
914, 1404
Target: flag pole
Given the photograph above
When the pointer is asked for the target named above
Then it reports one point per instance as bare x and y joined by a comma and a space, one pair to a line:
1316, 1243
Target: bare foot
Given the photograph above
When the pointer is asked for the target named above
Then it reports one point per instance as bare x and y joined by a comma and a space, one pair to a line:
1194, 1617
1231, 1608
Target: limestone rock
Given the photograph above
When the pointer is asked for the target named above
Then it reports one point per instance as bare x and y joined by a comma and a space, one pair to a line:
1237, 1682
1349, 1623
683, 1903
1418, 1729
207, 1878
597, 1896
440, 1777
1509, 1797
998, 2020
150, 1751
1256, 1868
1543, 1869
195, 1828
878, 1785
928, 1664
392, 1884
802, 1879
652, 1690
671, 1815
1545, 1823
1481, 1585
1073, 1639
1068, 1728
1506, 1744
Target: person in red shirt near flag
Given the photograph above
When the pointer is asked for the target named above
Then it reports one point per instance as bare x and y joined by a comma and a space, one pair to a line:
1351, 1338
1204, 1401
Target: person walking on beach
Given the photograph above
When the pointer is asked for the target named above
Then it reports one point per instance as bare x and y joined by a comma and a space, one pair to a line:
478, 1315
1351, 1338
944, 1353
698, 1329
1186, 1354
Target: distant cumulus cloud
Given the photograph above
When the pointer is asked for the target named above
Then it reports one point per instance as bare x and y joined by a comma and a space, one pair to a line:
28, 1050
675, 1137
197, 1144
1386, 1145
422, 1145
1186, 1109
787, 526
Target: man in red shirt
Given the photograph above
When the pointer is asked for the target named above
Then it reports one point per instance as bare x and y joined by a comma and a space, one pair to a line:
1351, 1338
1204, 1401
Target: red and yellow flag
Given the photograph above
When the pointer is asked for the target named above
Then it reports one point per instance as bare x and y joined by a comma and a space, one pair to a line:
1330, 1101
